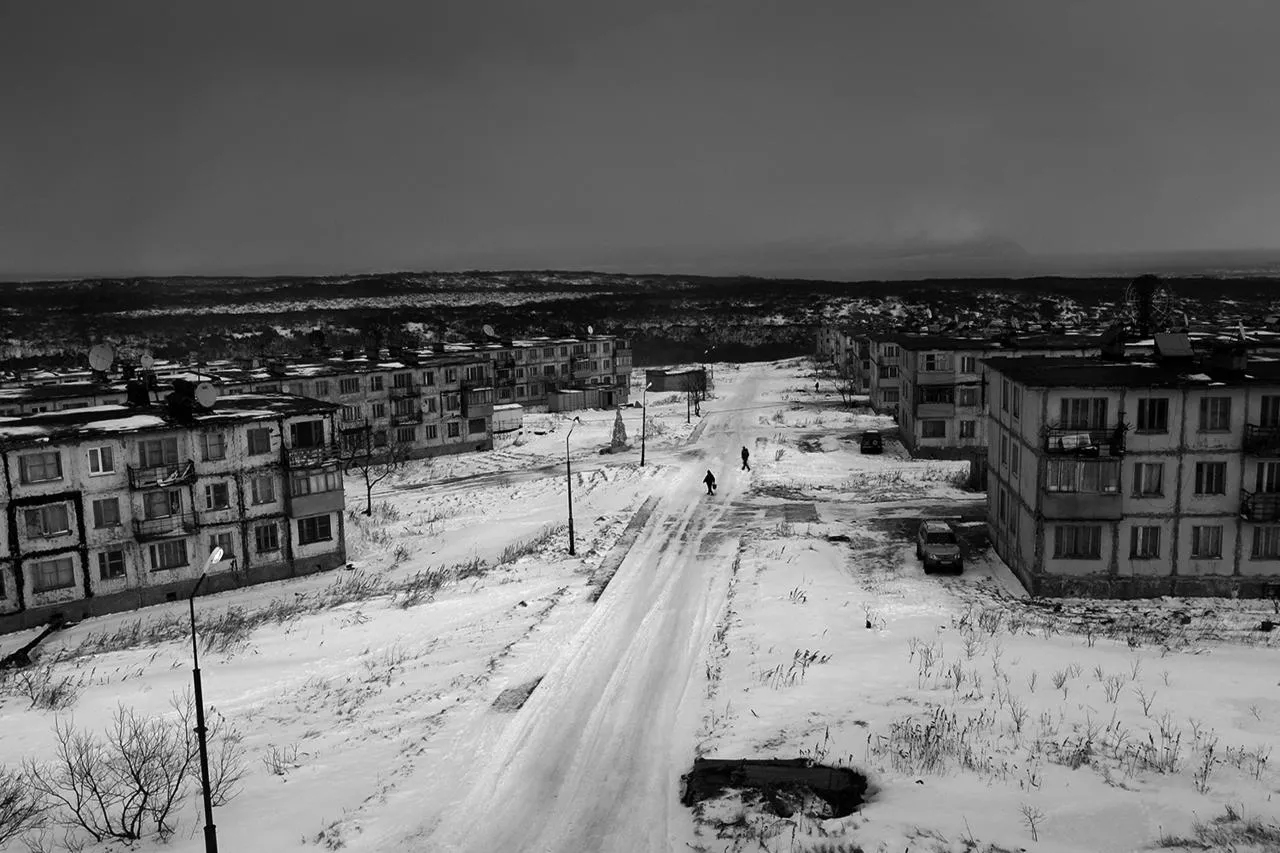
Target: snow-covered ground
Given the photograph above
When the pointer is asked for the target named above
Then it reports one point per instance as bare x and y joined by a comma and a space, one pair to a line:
380, 708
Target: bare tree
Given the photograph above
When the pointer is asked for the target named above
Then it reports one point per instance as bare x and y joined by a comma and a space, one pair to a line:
373, 460
846, 383
21, 807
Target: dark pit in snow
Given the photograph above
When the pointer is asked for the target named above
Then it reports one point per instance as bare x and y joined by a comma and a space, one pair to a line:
784, 785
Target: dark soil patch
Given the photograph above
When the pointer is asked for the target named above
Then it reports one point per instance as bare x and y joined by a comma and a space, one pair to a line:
785, 786
513, 698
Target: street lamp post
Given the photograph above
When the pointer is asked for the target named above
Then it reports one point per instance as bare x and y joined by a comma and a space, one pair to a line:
644, 419
210, 830
568, 475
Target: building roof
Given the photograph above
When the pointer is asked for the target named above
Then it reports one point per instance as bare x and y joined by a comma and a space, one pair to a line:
1047, 372
39, 393
96, 421
986, 344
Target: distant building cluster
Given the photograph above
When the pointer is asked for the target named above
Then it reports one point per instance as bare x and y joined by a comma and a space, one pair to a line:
121, 481
1115, 464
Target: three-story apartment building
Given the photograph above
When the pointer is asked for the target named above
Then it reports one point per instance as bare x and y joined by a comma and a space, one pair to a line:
884, 383
114, 507
1121, 478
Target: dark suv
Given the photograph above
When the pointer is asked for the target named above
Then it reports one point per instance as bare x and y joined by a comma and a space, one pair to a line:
872, 442
937, 547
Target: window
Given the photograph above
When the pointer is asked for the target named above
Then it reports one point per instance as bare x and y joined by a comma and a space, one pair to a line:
1153, 415
267, 388
431, 433
475, 374
1003, 504
1006, 394
317, 528
968, 364
1017, 401
298, 388
310, 484
106, 512
1077, 541
1269, 411
428, 377
306, 434
549, 370
451, 402
1083, 413
1083, 475
48, 575
406, 435
967, 396
266, 538
520, 392
1148, 478
349, 413
1144, 543
937, 393
161, 503
933, 429
110, 565
475, 426
888, 371
262, 489
322, 388
376, 383
1215, 414
890, 395
891, 351
226, 542
379, 410
101, 461
1015, 460
453, 430
158, 452
1266, 542
935, 361
430, 404
46, 521
1267, 480
402, 380
1211, 478
350, 385
451, 374
1004, 449
380, 438
217, 496
259, 441
40, 467
168, 555
968, 429
1206, 542
213, 446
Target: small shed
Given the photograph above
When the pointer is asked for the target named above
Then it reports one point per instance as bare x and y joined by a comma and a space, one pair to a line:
508, 417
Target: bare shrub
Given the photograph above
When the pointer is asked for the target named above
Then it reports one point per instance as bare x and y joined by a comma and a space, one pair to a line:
45, 690
22, 809
279, 760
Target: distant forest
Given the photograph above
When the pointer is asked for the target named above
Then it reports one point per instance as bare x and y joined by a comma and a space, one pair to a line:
668, 318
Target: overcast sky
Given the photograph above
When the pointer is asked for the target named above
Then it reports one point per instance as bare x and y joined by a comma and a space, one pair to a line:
317, 136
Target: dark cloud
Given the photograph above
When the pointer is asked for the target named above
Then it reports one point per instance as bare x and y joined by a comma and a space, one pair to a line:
324, 136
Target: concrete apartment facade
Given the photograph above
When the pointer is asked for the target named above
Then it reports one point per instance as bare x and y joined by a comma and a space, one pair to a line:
884, 380
944, 391
110, 508
1118, 478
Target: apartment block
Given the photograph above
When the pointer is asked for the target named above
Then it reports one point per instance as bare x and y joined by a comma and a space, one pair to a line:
1125, 478
113, 507
944, 386
884, 375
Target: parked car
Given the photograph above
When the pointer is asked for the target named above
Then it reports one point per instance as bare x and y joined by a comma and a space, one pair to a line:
872, 442
937, 546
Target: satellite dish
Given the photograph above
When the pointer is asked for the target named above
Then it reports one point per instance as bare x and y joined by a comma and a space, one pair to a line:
590, 330
101, 357
148, 361
206, 394
488, 331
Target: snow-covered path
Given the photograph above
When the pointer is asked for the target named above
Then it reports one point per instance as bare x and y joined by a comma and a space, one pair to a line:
593, 760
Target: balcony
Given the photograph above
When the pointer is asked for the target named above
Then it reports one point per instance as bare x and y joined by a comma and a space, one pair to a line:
935, 410
310, 457
1084, 442
1093, 506
301, 506
182, 524
1263, 506
404, 392
1262, 440
406, 419
177, 474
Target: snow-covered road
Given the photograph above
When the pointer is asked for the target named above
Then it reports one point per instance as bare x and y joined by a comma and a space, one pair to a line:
592, 762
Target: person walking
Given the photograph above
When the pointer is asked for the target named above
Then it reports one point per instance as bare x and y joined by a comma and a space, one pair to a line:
710, 480
746, 454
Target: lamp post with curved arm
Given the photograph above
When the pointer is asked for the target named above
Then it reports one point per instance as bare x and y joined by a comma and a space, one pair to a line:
568, 475
210, 829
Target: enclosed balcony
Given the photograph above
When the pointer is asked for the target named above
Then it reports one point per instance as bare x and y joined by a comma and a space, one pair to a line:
1084, 442
403, 392
310, 457
406, 418
1262, 440
1260, 506
177, 474
1091, 506
167, 527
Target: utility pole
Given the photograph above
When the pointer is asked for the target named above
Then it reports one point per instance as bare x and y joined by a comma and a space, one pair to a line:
568, 476
644, 419
210, 830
